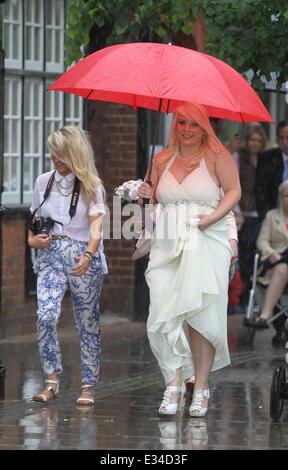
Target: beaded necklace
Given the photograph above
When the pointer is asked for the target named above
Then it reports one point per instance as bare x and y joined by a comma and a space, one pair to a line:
60, 192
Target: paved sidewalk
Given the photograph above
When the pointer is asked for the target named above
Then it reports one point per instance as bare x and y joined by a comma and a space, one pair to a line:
129, 393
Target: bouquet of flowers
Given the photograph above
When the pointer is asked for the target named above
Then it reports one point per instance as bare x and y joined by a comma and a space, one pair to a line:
128, 191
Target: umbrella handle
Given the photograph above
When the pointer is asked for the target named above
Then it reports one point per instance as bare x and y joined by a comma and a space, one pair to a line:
146, 201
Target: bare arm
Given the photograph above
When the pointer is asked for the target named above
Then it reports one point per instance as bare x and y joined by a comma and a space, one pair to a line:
227, 174
38, 242
228, 177
145, 190
96, 227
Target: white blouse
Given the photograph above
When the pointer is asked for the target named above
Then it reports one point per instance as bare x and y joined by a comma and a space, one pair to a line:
57, 207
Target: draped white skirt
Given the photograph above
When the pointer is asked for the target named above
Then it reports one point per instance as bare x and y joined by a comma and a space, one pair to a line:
188, 275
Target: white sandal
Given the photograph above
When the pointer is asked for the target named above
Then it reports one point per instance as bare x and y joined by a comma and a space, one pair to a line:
89, 400
196, 409
53, 392
168, 408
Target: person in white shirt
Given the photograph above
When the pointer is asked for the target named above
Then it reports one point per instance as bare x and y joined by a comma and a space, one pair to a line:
66, 229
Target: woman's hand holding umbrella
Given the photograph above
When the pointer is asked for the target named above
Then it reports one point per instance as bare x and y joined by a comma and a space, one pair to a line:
145, 191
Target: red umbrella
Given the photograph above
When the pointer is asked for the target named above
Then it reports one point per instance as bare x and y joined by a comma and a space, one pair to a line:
140, 74
161, 77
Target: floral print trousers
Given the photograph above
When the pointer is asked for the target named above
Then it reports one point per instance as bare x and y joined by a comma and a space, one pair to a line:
54, 266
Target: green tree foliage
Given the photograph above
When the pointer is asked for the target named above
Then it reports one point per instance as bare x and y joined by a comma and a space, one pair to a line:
247, 34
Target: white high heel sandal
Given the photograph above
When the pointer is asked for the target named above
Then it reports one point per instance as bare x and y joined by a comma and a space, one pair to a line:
196, 409
168, 408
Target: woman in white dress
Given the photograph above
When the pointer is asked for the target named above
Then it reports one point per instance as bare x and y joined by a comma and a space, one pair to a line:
195, 183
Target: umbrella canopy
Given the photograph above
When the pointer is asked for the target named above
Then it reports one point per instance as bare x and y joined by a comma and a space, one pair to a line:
140, 74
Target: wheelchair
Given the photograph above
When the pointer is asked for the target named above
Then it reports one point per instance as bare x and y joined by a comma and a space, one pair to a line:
279, 384
255, 302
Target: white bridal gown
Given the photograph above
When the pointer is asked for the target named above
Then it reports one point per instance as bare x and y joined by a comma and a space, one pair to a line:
188, 272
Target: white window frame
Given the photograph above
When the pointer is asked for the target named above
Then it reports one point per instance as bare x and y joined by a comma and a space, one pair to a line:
9, 196
35, 64
74, 120
51, 29
52, 120
27, 72
30, 120
10, 21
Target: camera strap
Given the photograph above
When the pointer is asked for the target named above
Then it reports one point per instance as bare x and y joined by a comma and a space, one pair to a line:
47, 192
74, 199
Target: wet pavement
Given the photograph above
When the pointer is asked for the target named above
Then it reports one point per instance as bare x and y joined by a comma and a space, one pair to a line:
129, 393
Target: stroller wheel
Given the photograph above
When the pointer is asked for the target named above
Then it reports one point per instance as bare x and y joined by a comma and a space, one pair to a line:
276, 400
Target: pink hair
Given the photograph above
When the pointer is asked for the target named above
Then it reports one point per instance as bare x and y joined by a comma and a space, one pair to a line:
193, 112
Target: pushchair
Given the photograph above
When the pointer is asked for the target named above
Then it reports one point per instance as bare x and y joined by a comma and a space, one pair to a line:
279, 384
279, 387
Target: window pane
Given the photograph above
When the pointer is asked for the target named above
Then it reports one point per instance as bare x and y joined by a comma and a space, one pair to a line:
36, 169
36, 140
73, 114
27, 172
48, 101
57, 98
27, 99
48, 165
14, 174
6, 40
29, 10
58, 16
49, 13
7, 101
37, 7
27, 138
6, 12
68, 105
28, 43
15, 98
37, 44
15, 137
16, 9
37, 100
58, 46
76, 106
6, 136
16, 33
49, 45
6, 175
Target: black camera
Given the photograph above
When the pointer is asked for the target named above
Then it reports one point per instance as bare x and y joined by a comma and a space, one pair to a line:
41, 225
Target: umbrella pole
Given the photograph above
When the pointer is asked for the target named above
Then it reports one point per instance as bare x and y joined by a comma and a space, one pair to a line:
145, 200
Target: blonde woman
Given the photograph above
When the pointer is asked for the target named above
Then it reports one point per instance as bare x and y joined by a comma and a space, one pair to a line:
66, 228
190, 256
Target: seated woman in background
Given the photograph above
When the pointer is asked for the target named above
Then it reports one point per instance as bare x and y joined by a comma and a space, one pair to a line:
273, 244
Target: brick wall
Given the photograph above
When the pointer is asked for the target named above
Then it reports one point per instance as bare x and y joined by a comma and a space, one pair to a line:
17, 311
114, 128
13, 266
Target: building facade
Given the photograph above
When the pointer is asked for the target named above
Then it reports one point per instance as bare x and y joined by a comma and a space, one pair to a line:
33, 36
